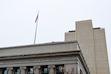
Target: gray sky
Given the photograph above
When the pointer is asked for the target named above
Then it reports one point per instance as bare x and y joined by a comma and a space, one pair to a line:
55, 17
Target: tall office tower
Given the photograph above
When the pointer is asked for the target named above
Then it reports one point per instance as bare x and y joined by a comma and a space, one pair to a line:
93, 45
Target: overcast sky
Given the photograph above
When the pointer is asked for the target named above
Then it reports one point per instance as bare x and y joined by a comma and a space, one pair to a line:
56, 17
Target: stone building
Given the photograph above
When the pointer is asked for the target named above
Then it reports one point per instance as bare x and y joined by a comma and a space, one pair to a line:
48, 58
93, 46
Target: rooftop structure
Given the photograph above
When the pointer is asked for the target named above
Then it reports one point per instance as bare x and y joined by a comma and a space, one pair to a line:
48, 58
93, 45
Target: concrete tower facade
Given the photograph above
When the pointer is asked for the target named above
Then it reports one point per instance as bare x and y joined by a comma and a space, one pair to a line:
92, 42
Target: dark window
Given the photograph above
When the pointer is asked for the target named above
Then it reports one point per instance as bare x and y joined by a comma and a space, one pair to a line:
59, 69
4, 71
16, 70
44, 70
30, 70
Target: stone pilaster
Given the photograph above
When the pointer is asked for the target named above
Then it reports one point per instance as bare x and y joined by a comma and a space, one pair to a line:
23, 70
10, 70
51, 69
36, 69
1, 70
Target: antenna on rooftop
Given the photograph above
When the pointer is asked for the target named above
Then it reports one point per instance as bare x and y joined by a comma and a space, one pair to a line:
36, 21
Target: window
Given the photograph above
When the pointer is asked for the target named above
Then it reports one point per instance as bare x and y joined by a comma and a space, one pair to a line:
30, 70
16, 70
59, 69
4, 71
44, 70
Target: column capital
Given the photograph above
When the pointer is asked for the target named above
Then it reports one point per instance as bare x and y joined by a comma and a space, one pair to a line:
10, 68
51, 66
22, 68
36, 67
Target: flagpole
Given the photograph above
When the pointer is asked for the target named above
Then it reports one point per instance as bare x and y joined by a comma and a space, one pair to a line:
36, 21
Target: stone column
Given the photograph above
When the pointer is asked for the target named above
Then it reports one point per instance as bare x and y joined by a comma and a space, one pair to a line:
1, 70
36, 69
23, 70
51, 69
10, 70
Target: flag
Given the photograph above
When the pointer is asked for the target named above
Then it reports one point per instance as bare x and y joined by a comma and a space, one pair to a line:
37, 17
